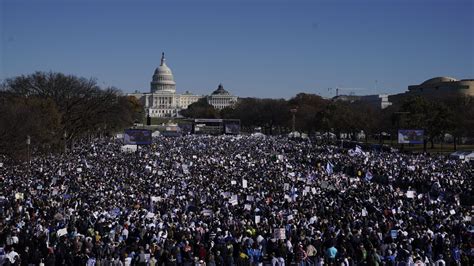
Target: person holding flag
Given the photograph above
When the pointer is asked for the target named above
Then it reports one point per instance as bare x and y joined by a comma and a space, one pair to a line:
368, 176
329, 168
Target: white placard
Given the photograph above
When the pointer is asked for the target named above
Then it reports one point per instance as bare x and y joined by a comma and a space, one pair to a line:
452, 212
61, 232
364, 212
244, 183
233, 182
79, 170
257, 219
19, 196
410, 194
233, 202
206, 212
247, 207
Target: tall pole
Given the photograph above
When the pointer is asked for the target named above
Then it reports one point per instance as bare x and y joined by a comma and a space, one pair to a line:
28, 142
293, 112
65, 142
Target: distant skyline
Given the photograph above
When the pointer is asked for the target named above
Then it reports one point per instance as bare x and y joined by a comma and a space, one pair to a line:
259, 48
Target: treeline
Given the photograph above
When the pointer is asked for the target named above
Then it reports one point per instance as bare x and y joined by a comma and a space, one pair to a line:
452, 115
53, 110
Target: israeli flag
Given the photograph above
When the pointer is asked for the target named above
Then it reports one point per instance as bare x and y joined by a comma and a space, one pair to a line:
368, 176
329, 168
356, 151
293, 194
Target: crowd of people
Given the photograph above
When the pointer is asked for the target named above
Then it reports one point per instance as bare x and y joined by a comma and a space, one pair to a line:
235, 200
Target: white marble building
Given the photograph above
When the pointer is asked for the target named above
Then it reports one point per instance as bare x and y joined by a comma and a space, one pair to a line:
163, 101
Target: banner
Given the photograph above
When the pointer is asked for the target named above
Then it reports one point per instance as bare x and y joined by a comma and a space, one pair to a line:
410, 136
137, 137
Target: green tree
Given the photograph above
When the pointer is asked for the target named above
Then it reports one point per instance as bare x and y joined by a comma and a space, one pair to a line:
28, 116
200, 109
432, 116
83, 107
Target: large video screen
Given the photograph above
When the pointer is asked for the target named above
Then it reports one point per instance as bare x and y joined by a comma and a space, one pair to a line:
208, 126
410, 136
232, 127
137, 137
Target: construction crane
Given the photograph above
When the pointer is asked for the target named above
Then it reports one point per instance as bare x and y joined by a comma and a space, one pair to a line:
351, 90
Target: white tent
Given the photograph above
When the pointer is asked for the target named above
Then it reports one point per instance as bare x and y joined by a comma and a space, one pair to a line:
294, 134
460, 155
469, 157
258, 135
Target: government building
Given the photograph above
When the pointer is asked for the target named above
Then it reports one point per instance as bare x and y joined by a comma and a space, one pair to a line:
163, 101
443, 86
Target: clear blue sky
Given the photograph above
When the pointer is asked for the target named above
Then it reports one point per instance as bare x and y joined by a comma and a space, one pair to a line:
255, 48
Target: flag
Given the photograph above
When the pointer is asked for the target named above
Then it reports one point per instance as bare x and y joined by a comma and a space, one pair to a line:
368, 176
356, 151
311, 177
293, 194
329, 168
87, 165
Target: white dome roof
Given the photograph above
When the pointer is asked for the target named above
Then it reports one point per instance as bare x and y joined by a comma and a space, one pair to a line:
438, 80
163, 79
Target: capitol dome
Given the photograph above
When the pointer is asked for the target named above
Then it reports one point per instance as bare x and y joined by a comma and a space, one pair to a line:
438, 80
163, 79
220, 91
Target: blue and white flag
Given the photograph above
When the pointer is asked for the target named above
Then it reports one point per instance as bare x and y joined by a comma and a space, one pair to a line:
329, 168
356, 151
293, 194
368, 176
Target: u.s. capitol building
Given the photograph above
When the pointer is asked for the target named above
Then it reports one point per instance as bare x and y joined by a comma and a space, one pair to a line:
163, 101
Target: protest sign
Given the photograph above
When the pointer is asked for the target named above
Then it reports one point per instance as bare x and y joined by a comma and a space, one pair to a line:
61, 232
257, 219
19, 196
279, 233
394, 234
